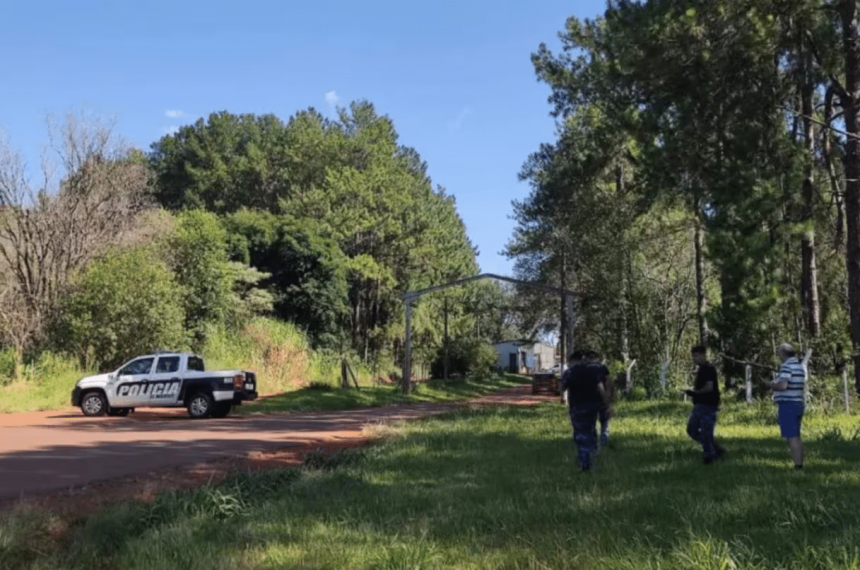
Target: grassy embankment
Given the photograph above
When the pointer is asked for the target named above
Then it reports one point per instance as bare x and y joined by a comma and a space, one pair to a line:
327, 397
276, 351
496, 488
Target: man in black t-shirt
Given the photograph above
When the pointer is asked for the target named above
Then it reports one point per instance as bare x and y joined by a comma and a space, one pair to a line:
586, 396
706, 403
574, 360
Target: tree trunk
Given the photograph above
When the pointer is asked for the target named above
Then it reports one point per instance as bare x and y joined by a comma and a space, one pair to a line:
19, 361
445, 377
570, 309
701, 301
851, 52
826, 142
625, 283
809, 271
562, 334
625, 326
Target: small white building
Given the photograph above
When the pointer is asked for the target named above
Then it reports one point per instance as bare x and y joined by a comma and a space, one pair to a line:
525, 356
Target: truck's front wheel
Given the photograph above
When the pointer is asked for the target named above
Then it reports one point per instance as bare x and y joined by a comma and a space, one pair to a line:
221, 409
94, 404
199, 406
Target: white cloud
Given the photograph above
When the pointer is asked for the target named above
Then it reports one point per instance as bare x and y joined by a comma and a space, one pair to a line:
332, 98
458, 122
174, 113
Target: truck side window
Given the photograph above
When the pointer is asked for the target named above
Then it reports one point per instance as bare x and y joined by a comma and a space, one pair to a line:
195, 363
167, 365
139, 366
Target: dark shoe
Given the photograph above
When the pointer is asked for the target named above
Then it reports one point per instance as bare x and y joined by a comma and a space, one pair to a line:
798, 466
709, 460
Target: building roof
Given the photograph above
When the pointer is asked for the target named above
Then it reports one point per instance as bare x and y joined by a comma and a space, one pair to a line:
522, 341
515, 341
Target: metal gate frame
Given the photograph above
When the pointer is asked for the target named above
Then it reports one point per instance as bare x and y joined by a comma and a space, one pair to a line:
412, 296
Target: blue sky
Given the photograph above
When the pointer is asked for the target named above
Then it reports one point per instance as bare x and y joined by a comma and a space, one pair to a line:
454, 76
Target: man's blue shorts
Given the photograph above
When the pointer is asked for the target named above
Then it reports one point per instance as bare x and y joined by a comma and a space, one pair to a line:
790, 416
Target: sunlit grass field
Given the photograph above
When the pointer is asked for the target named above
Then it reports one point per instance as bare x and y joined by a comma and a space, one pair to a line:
498, 488
327, 397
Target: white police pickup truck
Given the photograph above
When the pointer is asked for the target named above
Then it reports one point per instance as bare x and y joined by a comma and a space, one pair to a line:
165, 380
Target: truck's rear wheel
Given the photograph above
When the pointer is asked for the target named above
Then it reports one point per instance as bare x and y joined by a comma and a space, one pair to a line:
199, 405
94, 404
221, 409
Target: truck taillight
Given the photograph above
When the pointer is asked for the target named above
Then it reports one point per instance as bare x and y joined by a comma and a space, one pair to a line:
238, 381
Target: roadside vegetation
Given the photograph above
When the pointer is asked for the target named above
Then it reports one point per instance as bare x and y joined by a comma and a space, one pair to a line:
277, 351
497, 488
216, 241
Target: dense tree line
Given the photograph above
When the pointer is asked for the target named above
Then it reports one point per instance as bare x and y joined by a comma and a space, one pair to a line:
324, 223
342, 217
704, 185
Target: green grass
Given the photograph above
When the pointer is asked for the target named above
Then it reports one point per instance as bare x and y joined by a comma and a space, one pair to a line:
497, 488
326, 397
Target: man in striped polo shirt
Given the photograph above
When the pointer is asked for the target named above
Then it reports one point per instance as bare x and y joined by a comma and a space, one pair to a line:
789, 395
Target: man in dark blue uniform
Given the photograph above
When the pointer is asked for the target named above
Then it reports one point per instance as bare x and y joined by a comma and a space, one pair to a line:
586, 396
575, 359
706, 404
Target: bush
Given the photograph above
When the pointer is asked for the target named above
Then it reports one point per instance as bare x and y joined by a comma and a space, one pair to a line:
466, 356
636, 394
826, 392
8, 359
123, 305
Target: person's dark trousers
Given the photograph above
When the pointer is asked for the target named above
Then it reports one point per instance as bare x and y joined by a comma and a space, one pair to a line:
603, 416
584, 422
701, 429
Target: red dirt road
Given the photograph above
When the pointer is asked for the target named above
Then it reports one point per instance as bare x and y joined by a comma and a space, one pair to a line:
65, 452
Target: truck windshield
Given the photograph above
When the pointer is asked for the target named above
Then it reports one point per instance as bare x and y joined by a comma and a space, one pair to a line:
195, 363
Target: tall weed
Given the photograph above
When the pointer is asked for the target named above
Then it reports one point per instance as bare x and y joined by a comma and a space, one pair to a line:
276, 351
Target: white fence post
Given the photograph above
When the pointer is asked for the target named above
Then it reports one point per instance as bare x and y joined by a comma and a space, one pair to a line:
630, 376
845, 390
663, 373
748, 376
805, 364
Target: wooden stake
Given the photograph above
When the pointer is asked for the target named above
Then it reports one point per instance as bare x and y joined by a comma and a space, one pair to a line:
354, 381
805, 364
630, 375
